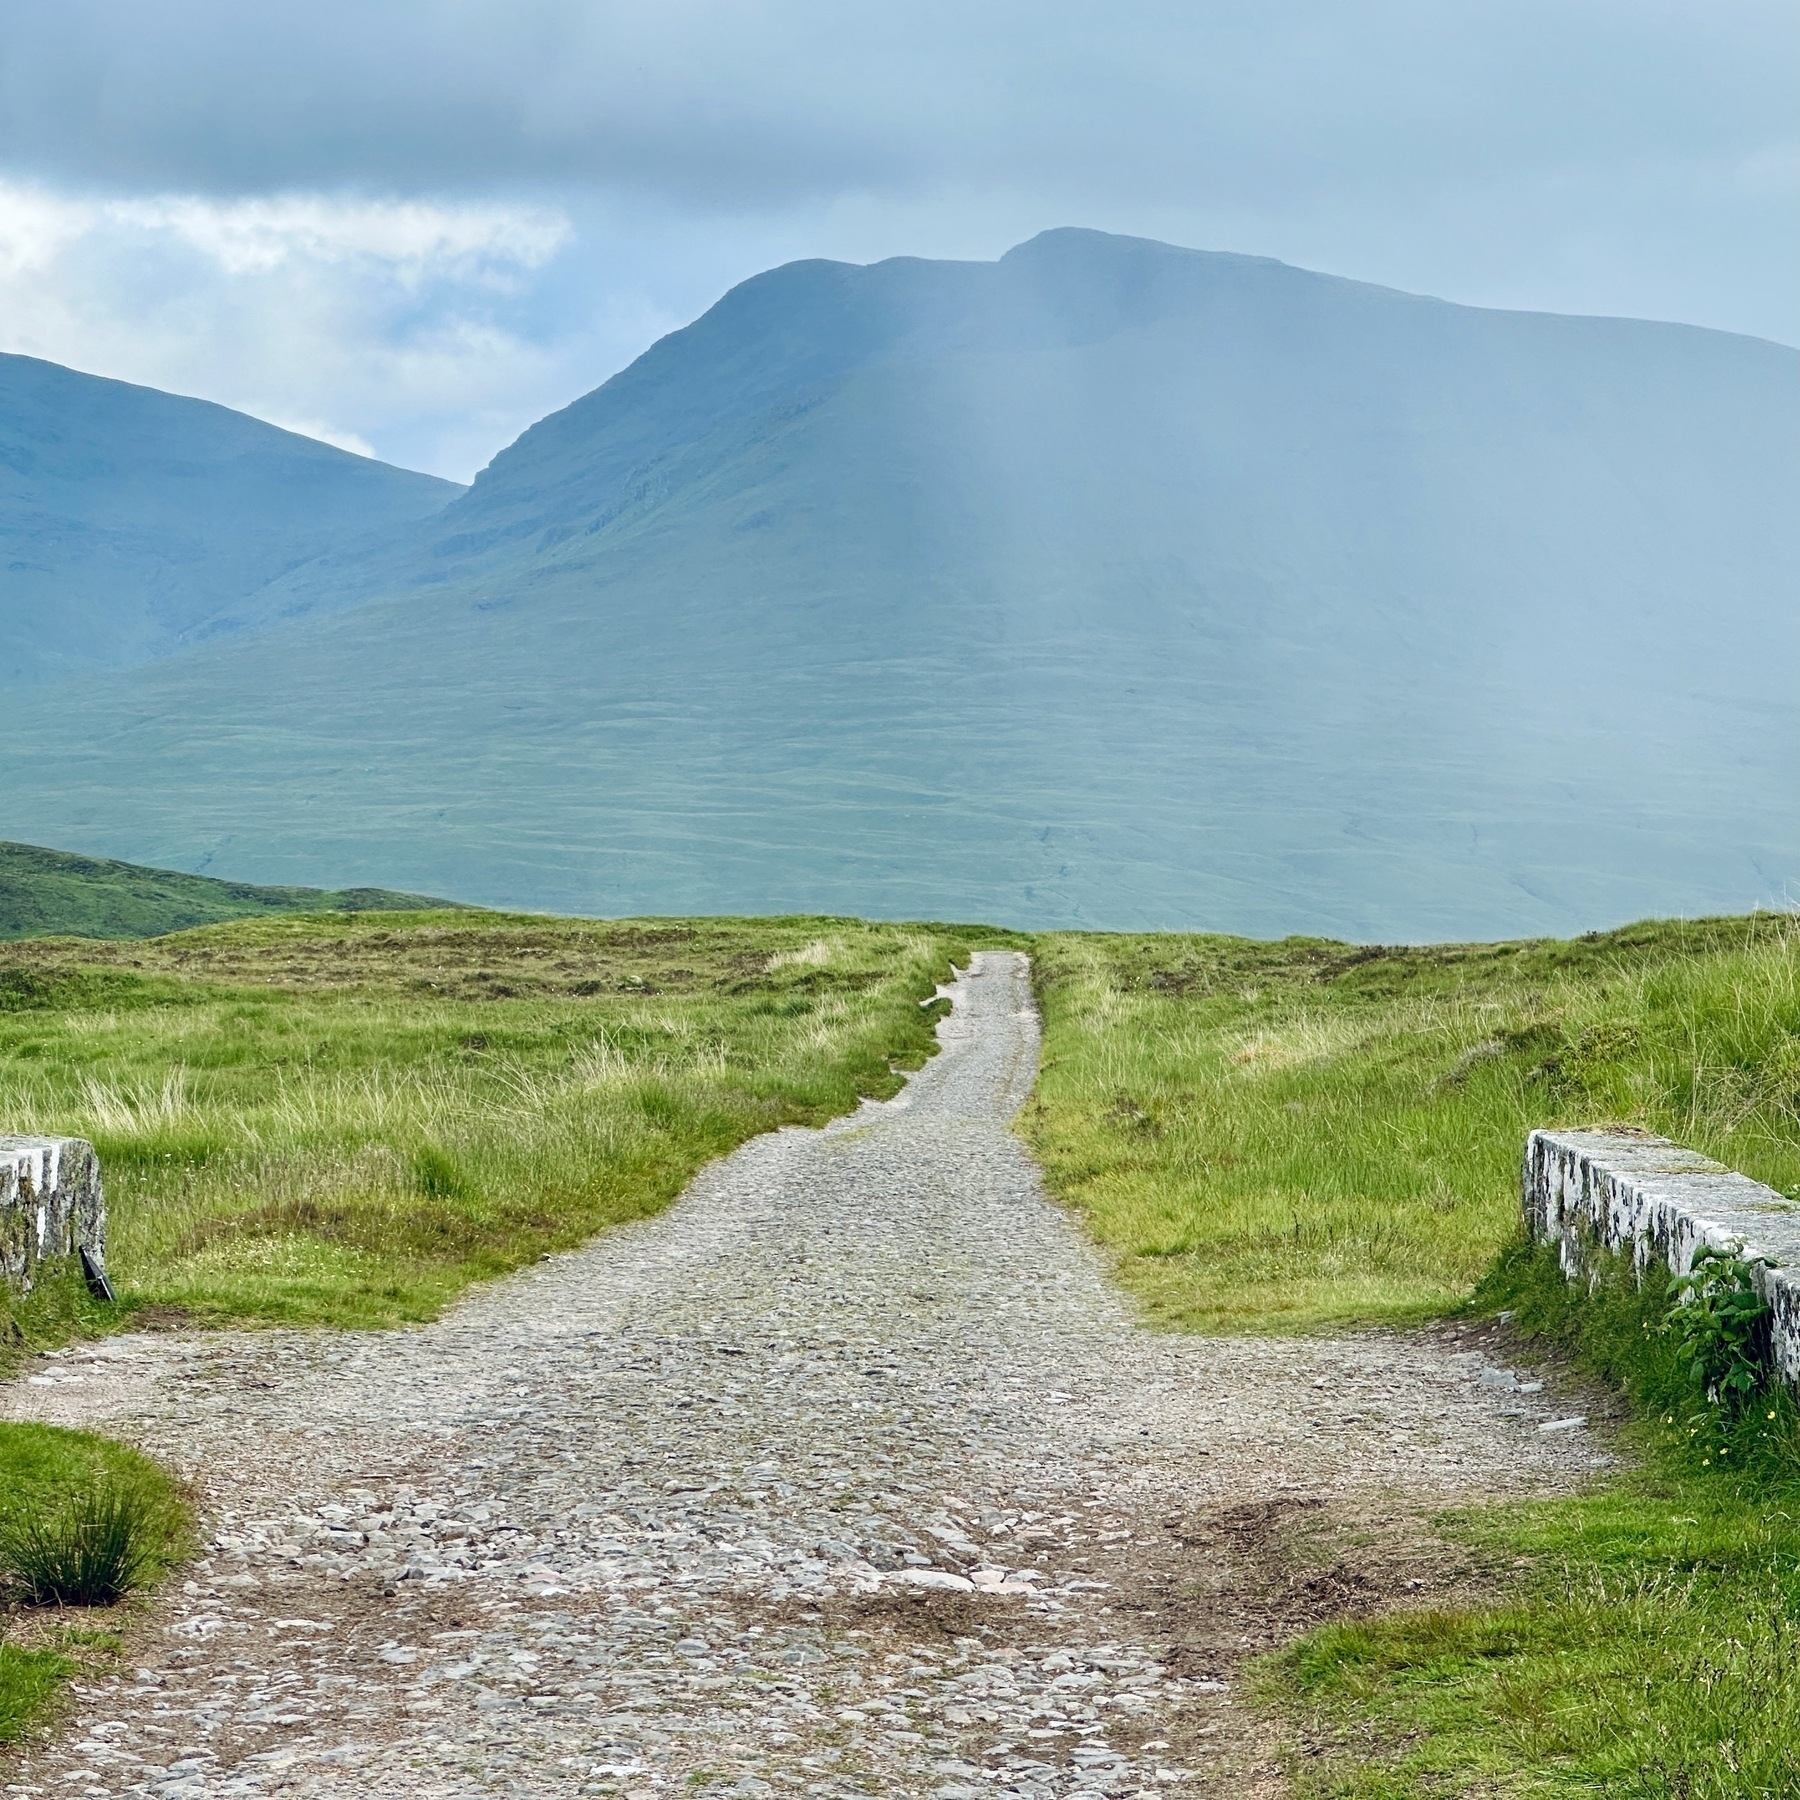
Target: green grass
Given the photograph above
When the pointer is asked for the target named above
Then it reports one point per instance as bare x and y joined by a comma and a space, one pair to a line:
53, 893
42, 1465
1657, 1682
346, 1119
1277, 1137
28, 1682
45, 1474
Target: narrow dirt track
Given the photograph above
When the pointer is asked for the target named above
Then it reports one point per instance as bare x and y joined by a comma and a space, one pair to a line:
849, 1474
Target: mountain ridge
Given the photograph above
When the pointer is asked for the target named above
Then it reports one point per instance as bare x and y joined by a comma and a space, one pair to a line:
1218, 594
479, 521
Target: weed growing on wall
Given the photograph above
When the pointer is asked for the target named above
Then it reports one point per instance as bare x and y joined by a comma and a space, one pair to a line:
1721, 1322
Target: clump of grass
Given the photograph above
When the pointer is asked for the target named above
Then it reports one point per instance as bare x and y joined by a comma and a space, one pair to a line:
95, 1548
1275, 1137
83, 1520
71, 1499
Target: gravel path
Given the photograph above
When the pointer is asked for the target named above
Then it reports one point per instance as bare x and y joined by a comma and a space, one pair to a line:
849, 1474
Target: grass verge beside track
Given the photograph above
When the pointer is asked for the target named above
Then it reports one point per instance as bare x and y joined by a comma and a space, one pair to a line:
43, 1471
346, 1119
1278, 1137
1645, 1643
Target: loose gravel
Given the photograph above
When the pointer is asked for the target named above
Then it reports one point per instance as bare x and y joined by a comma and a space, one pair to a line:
849, 1474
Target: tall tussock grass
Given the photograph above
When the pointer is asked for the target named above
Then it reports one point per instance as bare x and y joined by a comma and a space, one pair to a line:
84, 1522
92, 1549
1272, 1136
347, 1119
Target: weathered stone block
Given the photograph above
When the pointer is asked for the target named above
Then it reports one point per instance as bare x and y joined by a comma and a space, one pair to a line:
1631, 1191
51, 1205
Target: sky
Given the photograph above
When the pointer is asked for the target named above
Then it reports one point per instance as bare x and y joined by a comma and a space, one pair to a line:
414, 226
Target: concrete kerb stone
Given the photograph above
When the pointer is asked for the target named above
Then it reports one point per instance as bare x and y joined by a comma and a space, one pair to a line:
1621, 1191
51, 1206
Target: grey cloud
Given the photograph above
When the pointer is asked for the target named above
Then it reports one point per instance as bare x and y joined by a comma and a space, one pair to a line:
717, 103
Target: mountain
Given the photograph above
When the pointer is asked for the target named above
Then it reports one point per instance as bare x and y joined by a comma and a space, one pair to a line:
50, 893
1109, 584
131, 519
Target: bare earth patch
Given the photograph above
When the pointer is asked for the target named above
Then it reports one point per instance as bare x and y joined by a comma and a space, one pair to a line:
849, 1474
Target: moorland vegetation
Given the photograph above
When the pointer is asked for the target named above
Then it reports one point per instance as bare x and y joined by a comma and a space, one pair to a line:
346, 1119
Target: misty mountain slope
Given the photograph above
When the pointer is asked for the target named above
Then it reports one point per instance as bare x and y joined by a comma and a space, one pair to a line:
1108, 584
130, 519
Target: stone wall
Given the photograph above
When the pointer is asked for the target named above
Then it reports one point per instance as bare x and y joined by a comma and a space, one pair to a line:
1630, 1191
51, 1206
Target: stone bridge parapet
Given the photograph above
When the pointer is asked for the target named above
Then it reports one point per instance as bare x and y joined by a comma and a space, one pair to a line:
1633, 1192
51, 1207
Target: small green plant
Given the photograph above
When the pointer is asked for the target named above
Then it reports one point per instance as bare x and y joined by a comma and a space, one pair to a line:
91, 1551
1722, 1321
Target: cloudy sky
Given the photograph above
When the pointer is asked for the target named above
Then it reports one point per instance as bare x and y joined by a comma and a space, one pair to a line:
413, 226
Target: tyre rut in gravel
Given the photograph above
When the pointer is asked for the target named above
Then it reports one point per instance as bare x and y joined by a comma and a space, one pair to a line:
848, 1474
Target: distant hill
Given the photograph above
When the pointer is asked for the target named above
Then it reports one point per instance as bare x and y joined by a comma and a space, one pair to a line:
49, 893
1110, 584
131, 519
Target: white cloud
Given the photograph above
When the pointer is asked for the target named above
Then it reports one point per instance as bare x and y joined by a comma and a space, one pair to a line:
326, 434
409, 241
379, 325
36, 228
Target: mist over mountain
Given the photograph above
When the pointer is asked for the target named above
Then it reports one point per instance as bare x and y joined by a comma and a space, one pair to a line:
1107, 584
131, 519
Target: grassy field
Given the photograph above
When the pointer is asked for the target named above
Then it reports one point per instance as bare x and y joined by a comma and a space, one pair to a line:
1270, 1137
1281, 1136
346, 1119
53, 893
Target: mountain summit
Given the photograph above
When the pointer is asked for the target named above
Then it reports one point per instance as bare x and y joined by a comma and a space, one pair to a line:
1109, 583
